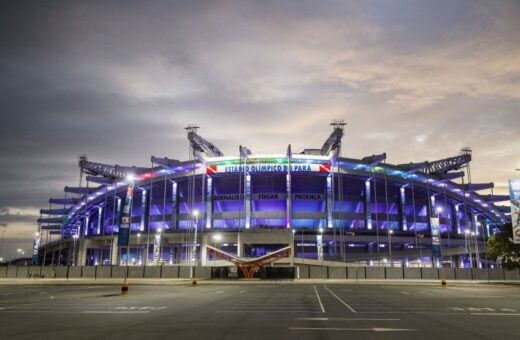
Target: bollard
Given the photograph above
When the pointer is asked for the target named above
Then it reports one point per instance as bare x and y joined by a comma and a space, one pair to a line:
443, 283
124, 288
193, 282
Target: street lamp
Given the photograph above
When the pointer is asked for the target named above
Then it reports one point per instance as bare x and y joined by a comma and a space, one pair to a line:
158, 237
193, 259
390, 232
467, 246
420, 236
139, 248
74, 237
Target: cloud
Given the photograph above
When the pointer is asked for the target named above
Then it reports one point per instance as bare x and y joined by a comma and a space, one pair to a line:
416, 80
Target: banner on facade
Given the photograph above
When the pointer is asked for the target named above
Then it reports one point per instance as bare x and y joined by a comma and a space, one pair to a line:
514, 192
124, 225
266, 167
436, 239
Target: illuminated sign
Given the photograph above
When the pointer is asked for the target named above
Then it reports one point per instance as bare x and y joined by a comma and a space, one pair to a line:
265, 167
270, 196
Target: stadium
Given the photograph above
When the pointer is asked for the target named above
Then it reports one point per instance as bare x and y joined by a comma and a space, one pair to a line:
313, 206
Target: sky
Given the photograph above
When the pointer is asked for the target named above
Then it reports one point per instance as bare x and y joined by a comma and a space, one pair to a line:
119, 81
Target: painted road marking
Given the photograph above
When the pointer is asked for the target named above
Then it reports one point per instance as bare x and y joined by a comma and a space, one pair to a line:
481, 309
345, 319
375, 329
116, 312
405, 293
343, 302
140, 308
220, 292
497, 314
319, 300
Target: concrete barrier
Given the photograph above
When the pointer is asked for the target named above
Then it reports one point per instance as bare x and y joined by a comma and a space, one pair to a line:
430, 273
172, 272
356, 273
119, 272
317, 272
303, 271
337, 272
447, 273
375, 273
203, 272
23, 272
47, 271
496, 274
74, 272
152, 272
480, 274
412, 273
89, 272
511, 274
136, 272
34, 271
104, 272
11, 271
61, 271
394, 273
3, 271
463, 274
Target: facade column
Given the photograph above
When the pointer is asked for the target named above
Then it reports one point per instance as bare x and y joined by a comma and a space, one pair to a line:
239, 244
209, 202
174, 206
330, 203
115, 251
288, 212
367, 206
402, 209
203, 250
248, 201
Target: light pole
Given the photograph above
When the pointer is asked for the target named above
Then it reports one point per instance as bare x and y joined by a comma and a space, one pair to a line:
293, 248
139, 248
193, 259
390, 232
439, 210
467, 245
320, 249
420, 236
74, 237
158, 241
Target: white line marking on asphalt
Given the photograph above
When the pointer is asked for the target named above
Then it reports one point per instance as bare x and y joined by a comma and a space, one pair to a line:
319, 300
496, 314
267, 311
220, 292
345, 319
405, 293
425, 293
116, 312
353, 329
343, 302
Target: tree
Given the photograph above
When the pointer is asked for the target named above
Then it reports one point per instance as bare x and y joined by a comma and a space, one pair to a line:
500, 247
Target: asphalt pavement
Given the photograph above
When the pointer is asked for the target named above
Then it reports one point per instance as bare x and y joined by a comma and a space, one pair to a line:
266, 310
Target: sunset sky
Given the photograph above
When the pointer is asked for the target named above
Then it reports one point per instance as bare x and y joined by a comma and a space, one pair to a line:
119, 81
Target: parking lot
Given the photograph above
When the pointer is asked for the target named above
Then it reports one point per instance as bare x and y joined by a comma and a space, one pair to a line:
263, 310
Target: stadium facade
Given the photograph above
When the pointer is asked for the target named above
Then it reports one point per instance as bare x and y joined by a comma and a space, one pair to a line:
323, 206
